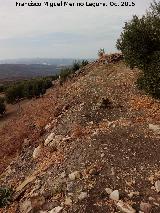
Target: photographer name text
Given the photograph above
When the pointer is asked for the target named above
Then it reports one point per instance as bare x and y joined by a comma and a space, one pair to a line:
76, 4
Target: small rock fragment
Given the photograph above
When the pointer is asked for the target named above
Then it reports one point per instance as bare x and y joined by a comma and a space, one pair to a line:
48, 126
66, 139
114, 195
82, 196
68, 201
102, 155
145, 207
74, 175
49, 139
150, 198
63, 175
156, 204
124, 207
55, 142
155, 128
112, 171
108, 190
130, 194
157, 186
56, 209
37, 152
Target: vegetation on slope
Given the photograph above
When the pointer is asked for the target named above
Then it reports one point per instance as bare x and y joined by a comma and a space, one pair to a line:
27, 89
35, 87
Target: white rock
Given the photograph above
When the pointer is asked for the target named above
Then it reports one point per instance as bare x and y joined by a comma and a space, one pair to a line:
130, 194
68, 201
110, 123
47, 126
37, 152
82, 196
66, 139
112, 171
150, 198
56, 141
102, 155
156, 204
53, 140
74, 175
56, 209
157, 186
49, 139
114, 195
124, 207
155, 128
108, 190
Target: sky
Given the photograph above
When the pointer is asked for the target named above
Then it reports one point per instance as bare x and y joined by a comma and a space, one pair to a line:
62, 32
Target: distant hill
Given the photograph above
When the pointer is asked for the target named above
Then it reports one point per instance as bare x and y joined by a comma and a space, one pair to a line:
18, 69
11, 72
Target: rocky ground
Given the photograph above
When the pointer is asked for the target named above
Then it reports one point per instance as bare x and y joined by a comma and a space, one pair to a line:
98, 149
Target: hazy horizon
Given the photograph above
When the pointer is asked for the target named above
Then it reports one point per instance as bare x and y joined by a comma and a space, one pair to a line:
61, 32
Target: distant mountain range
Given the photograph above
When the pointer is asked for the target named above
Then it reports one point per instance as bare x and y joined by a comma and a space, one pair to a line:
45, 61
18, 69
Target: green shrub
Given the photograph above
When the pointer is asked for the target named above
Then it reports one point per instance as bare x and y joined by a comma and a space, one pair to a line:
14, 93
76, 66
1, 88
84, 63
5, 196
140, 44
27, 89
64, 74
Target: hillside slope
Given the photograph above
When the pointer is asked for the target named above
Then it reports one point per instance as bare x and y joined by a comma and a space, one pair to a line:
97, 131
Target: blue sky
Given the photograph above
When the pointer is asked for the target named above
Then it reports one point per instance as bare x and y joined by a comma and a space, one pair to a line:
62, 32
